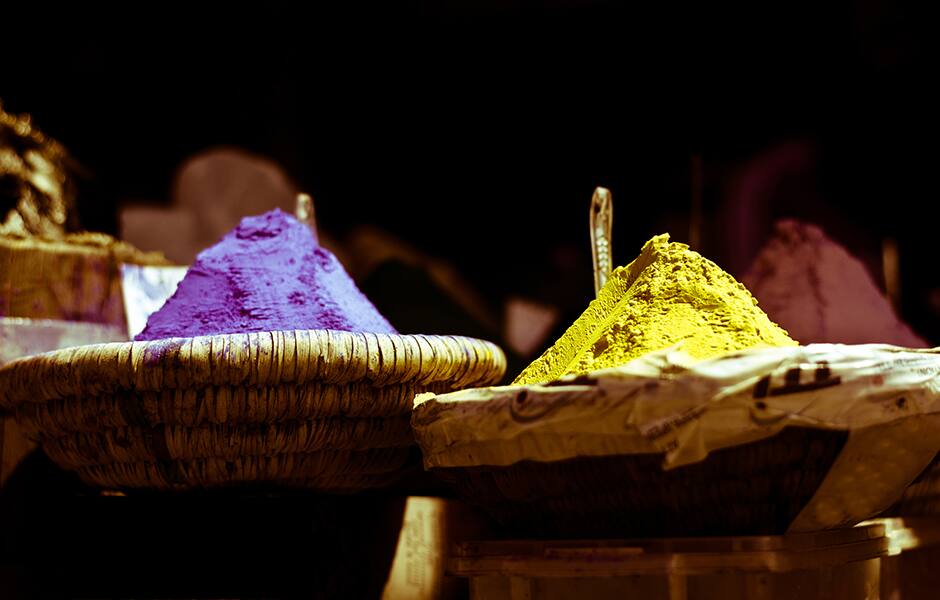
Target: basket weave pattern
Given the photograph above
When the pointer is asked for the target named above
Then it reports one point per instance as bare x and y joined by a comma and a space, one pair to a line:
752, 489
922, 497
322, 409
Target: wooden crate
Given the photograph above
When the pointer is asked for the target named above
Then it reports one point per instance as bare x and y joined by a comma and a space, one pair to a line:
836, 564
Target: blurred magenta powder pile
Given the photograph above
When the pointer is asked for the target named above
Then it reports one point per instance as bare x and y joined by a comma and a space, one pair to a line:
268, 274
819, 292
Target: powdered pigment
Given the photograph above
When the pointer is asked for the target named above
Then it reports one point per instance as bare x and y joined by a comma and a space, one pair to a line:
669, 294
821, 293
268, 274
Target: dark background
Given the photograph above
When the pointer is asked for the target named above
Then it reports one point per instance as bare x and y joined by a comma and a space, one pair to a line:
477, 131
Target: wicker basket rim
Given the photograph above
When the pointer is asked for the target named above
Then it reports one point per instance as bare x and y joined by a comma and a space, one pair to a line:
258, 359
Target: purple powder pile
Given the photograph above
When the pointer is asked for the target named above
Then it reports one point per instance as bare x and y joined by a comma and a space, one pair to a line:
268, 274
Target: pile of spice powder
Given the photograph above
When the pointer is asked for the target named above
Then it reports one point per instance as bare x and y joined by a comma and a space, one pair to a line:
669, 294
817, 290
268, 274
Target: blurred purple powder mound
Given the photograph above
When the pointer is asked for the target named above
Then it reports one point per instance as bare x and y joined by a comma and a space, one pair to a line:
268, 274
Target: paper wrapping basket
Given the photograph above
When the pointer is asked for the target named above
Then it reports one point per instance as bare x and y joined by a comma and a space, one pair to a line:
320, 409
922, 497
758, 442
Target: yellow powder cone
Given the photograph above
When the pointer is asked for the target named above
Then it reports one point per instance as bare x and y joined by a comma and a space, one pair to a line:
667, 295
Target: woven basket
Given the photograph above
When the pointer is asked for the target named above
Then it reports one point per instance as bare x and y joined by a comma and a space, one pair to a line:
752, 489
319, 409
922, 497
760, 442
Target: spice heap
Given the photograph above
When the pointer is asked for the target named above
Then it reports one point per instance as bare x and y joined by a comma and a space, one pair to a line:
268, 274
821, 293
669, 294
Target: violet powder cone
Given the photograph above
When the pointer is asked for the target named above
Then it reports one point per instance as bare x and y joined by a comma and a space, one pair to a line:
268, 274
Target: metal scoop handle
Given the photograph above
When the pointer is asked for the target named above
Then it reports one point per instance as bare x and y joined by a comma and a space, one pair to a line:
602, 218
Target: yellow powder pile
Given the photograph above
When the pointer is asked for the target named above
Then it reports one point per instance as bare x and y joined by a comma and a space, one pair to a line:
669, 294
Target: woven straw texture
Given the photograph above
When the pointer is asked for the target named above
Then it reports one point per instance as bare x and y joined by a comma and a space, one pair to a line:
319, 409
751, 489
922, 497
